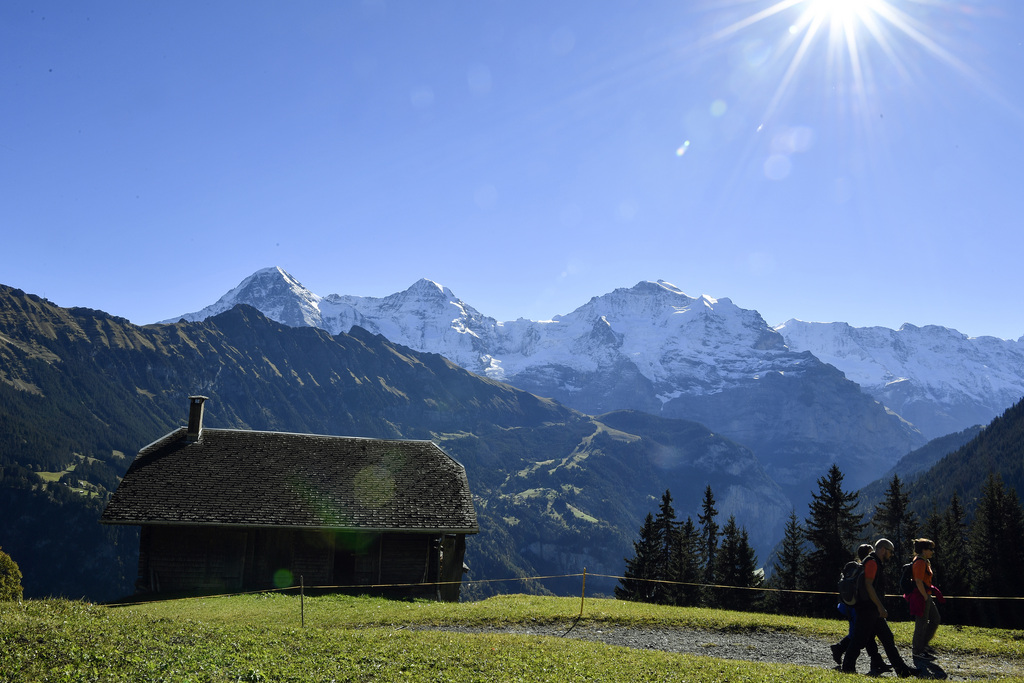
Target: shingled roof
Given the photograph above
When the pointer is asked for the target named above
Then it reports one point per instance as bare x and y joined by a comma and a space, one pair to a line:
272, 479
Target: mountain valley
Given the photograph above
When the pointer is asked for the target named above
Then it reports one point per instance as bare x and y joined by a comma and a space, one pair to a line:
555, 488
570, 429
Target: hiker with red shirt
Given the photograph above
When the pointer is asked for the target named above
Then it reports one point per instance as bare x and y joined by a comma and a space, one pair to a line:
871, 613
922, 600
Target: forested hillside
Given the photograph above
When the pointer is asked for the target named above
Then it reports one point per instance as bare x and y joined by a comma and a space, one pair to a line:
997, 449
917, 463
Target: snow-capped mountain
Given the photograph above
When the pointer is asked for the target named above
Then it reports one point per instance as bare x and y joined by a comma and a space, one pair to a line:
939, 379
675, 344
649, 347
425, 317
274, 292
654, 325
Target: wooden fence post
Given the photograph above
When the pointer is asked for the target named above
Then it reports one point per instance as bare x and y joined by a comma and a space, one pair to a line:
583, 591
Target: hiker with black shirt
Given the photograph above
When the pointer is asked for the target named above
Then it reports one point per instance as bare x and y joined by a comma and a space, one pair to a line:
871, 613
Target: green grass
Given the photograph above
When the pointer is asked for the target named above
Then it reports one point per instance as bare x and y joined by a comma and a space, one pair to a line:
50, 477
259, 638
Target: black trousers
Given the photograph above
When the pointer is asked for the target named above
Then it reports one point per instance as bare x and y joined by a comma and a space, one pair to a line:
868, 627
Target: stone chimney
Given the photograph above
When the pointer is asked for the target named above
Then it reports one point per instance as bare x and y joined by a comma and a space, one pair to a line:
195, 418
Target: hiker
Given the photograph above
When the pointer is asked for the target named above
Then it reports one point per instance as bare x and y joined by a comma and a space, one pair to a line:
878, 665
871, 613
922, 600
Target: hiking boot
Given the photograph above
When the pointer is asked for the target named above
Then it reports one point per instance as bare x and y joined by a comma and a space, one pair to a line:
924, 656
906, 672
837, 653
879, 668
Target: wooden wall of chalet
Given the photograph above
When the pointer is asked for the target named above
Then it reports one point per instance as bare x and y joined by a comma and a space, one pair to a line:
185, 559
225, 559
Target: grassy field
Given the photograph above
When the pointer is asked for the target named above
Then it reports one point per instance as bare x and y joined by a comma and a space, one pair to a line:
261, 638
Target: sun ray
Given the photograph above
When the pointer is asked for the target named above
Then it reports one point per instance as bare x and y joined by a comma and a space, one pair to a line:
918, 33
738, 26
874, 28
854, 26
794, 65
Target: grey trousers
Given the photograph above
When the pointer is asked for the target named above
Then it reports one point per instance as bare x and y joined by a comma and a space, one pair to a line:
925, 626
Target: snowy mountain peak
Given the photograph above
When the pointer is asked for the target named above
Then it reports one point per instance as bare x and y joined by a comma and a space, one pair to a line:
643, 299
273, 291
661, 293
429, 288
273, 272
656, 288
670, 287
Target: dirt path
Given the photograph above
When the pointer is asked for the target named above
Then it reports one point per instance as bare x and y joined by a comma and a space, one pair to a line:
764, 647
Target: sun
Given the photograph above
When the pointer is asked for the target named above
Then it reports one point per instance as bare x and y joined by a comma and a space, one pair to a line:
851, 34
841, 10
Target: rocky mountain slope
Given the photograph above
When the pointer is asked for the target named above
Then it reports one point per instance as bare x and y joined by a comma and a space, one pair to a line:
557, 490
937, 378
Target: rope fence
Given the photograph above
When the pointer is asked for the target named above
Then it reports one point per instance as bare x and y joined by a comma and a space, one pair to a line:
301, 587
766, 589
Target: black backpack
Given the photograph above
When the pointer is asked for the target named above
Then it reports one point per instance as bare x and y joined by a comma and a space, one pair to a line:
907, 584
850, 581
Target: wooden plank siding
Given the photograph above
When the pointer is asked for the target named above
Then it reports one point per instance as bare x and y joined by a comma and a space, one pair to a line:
211, 559
174, 559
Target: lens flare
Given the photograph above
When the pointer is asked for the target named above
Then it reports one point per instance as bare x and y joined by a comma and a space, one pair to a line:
283, 578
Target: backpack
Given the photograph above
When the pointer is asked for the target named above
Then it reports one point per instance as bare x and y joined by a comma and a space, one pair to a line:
849, 582
907, 584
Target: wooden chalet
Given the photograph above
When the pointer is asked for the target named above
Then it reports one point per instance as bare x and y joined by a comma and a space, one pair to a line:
237, 510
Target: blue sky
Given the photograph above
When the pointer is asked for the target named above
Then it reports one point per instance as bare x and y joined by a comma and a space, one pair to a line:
853, 160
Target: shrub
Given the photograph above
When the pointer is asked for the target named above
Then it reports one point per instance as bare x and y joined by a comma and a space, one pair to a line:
10, 578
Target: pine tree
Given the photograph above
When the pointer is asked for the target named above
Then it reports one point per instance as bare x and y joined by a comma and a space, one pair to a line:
636, 583
997, 560
736, 565
833, 528
708, 544
951, 559
665, 529
787, 568
751, 572
930, 527
708, 535
894, 520
684, 569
